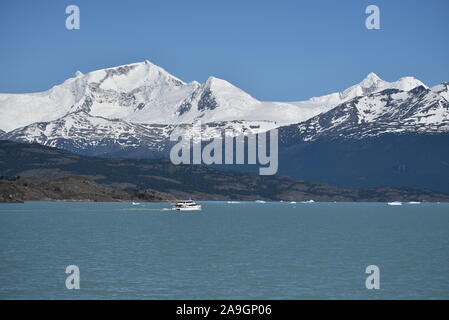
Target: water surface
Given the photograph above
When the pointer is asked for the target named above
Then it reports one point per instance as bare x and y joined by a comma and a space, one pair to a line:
241, 250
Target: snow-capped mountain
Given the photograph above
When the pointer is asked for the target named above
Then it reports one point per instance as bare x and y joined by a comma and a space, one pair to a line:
419, 110
146, 93
137, 106
83, 133
117, 93
388, 138
371, 84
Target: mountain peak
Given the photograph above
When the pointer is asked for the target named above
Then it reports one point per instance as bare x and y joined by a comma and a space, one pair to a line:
370, 84
371, 80
408, 83
373, 83
372, 76
214, 82
143, 92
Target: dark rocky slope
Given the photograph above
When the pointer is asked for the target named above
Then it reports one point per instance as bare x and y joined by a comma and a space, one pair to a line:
124, 179
71, 188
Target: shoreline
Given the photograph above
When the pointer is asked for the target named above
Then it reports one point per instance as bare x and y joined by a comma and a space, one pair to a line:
232, 201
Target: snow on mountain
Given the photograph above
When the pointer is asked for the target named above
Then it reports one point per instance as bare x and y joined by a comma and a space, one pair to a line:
145, 93
140, 92
121, 92
391, 110
371, 84
86, 134
137, 106
83, 133
442, 89
19, 110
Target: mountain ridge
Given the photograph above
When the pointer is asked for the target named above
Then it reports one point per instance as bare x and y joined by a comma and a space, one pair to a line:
391, 110
146, 93
133, 109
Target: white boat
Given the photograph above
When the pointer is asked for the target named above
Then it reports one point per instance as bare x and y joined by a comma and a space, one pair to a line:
414, 202
260, 201
136, 203
186, 205
395, 203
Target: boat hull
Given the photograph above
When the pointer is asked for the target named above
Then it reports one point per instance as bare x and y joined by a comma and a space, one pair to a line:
198, 208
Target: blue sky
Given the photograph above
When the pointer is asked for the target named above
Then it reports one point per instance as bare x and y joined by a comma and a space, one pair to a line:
274, 50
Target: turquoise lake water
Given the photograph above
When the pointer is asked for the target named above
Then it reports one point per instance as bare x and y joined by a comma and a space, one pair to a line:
244, 250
